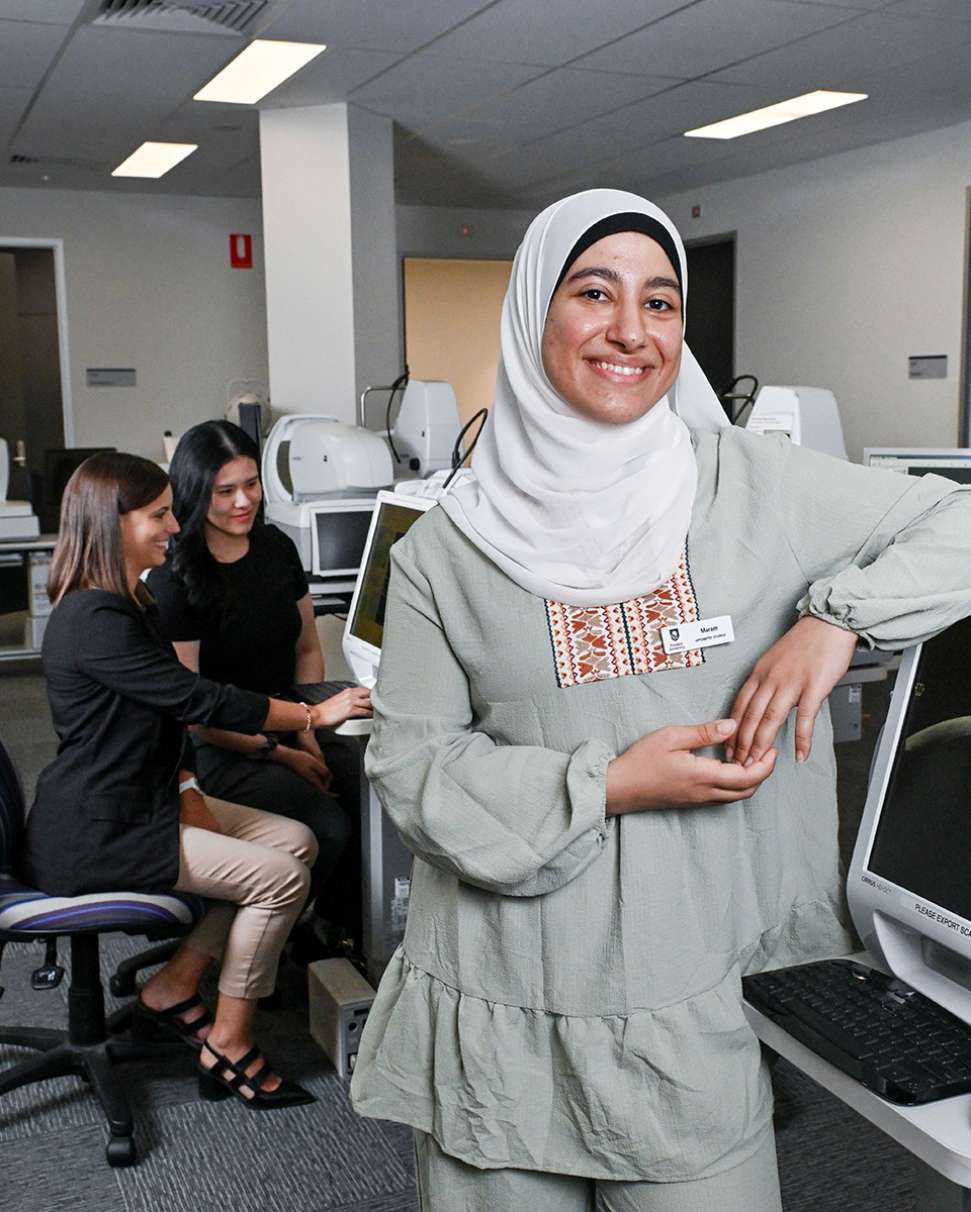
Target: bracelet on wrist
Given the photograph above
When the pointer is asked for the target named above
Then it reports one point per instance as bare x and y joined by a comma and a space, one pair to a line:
310, 718
190, 784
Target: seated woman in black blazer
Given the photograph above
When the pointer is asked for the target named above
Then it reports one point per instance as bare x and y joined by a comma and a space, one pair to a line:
119, 807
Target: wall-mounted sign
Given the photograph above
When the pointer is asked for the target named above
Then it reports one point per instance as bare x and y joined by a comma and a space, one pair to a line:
927, 366
107, 376
240, 250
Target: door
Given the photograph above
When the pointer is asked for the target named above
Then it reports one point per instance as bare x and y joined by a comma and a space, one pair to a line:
31, 405
451, 316
710, 330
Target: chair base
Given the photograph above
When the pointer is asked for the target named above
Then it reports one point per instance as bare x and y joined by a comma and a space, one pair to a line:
122, 980
86, 1050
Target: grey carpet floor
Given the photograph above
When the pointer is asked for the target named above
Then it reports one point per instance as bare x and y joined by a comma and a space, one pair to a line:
220, 1157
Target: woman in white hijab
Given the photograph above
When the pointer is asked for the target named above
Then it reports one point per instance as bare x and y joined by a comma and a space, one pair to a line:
625, 584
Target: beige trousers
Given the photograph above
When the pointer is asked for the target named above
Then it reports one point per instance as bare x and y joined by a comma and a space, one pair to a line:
446, 1184
259, 867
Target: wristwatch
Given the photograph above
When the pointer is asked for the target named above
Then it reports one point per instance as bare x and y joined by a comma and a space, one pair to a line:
265, 751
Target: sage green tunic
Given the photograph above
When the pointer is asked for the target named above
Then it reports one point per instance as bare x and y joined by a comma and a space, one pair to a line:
567, 994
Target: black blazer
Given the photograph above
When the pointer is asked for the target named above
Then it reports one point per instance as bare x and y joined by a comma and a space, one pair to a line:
106, 814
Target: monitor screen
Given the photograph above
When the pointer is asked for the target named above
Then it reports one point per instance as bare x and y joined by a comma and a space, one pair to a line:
955, 464
923, 837
392, 522
340, 538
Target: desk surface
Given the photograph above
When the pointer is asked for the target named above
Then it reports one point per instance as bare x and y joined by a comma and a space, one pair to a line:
938, 1133
44, 542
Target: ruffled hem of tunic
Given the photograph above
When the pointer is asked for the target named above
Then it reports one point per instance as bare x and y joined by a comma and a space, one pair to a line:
622, 1097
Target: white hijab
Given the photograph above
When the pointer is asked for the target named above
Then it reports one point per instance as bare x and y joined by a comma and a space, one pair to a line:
572, 509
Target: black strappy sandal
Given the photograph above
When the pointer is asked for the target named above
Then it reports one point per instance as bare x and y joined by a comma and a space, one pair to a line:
230, 1077
147, 1023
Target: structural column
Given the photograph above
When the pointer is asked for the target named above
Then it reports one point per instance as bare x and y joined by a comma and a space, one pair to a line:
332, 272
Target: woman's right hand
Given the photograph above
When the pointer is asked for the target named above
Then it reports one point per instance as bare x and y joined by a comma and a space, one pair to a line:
660, 770
352, 703
305, 764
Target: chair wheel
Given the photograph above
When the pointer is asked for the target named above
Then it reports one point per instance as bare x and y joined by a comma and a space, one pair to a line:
120, 1151
122, 984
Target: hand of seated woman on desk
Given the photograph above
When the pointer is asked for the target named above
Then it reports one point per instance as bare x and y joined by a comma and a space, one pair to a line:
353, 703
307, 765
797, 671
660, 770
193, 811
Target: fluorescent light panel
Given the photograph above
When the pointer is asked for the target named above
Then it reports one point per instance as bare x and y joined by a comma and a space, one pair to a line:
775, 115
257, 70
154, 159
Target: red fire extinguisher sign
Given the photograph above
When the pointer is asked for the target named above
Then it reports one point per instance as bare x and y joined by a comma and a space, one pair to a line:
240, 250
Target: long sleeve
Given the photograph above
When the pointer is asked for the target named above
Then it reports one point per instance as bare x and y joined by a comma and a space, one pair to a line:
115, 650
886, 556
518, 820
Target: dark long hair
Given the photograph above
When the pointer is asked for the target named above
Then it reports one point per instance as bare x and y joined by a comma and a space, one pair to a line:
201, 452
89, 553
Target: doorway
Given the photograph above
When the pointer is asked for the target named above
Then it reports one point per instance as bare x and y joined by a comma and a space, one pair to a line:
710, 331
35, 400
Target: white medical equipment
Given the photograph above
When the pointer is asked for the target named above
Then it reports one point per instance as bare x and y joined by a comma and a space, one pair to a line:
425, 430
320, 478
807, 415
17, 518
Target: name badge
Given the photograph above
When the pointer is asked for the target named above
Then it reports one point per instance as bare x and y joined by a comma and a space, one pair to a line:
705, 633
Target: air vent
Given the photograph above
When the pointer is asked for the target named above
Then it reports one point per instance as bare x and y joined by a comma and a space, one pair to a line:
179, 16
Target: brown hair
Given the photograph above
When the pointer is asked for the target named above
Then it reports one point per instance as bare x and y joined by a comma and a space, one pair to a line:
89, 553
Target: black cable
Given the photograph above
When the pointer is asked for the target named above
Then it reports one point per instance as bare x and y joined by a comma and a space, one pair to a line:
401, 382
458, 458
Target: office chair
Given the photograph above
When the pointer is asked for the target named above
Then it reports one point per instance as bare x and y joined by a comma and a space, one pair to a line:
88, 1048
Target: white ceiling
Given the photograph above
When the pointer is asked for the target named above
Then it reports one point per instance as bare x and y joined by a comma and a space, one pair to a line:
497, 102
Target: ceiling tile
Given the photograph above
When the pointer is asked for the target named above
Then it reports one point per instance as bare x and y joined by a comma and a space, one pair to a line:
27, 51
707, 36
127, 64
951, 10
565, 98
424, 86
842, 57
13, 102
332, 76
88, 126
390, 25
550, 35
47, 12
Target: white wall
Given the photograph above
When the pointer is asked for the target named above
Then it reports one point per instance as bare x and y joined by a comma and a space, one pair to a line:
845, 266
436, 231
149, 285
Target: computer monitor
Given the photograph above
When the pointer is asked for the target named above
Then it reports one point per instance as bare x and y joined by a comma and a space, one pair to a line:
953, 462
394, 514
338, 531
909, 885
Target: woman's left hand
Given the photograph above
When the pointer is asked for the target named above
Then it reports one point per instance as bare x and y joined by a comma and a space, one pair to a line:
307, 741
193, 810
798, 671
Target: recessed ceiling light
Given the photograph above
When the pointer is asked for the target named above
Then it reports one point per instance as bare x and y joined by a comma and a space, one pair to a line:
154, 159
257, 70
775, 115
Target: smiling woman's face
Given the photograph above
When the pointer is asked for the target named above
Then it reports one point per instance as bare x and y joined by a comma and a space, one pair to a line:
612, 339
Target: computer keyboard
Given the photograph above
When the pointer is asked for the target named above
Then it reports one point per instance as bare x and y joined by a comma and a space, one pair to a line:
878, 1030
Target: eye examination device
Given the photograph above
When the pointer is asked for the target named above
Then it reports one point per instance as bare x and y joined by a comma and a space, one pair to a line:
807, 415
17, 519
320, 478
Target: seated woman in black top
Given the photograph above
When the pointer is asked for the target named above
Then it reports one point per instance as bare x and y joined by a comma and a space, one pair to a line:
118, 808
234, 601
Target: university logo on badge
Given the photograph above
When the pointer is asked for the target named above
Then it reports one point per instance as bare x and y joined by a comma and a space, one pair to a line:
674, 633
